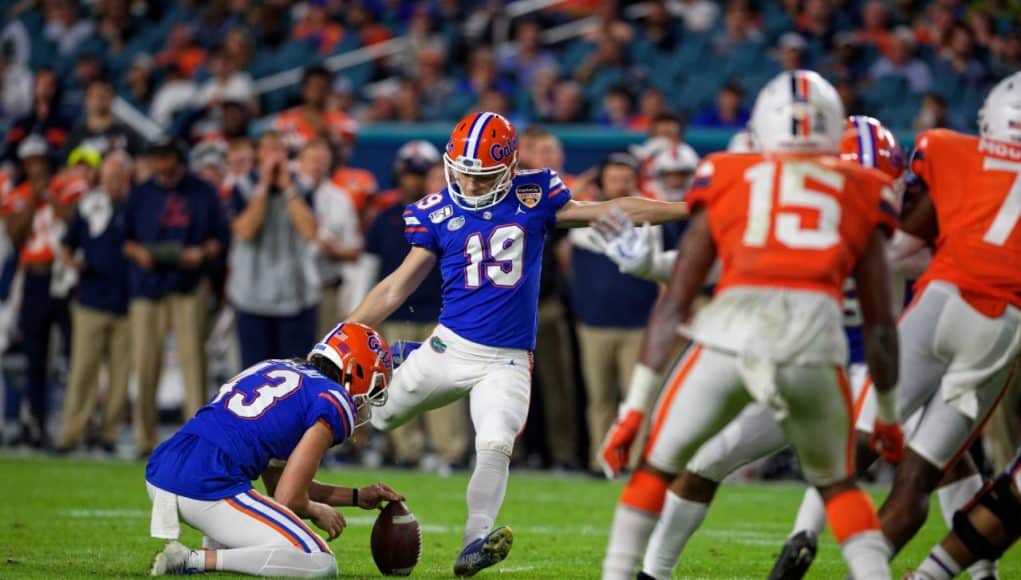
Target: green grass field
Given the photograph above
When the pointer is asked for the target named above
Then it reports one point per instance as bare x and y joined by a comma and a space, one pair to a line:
83, 519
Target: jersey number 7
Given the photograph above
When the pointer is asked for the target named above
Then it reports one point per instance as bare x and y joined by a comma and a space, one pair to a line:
1006, 219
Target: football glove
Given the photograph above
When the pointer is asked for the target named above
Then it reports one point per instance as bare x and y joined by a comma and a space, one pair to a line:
616, 449
888, 440
630, 248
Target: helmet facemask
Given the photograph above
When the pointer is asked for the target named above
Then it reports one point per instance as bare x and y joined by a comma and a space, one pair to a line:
496, 184
376, 395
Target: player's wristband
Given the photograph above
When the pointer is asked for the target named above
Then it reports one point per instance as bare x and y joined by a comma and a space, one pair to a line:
354, 496
644, 387
886, 406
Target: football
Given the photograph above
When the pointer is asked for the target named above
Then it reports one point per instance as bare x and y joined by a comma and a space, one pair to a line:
396, 540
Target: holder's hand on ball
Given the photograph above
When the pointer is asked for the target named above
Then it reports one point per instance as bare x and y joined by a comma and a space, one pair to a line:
372, 496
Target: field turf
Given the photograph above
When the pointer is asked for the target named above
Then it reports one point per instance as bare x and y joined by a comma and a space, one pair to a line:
75, 518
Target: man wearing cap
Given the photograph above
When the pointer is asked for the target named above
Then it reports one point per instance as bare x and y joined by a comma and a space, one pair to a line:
34, 215
174, 230
446, 430
609, 326
93, 246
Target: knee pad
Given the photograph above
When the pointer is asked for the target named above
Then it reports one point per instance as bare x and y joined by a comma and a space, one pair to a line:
1001, 502
500, 446
497, 431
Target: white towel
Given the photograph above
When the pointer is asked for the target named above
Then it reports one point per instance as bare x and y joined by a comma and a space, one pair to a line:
165, 523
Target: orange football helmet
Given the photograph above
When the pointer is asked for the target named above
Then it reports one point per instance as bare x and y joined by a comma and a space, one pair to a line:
483, 150
363, 357
868, 142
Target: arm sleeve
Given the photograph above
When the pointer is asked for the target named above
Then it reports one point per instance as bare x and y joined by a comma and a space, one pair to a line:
419, 231
337, 409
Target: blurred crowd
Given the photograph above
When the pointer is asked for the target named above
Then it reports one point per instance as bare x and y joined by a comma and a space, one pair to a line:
203, 67
227, 239
252, 250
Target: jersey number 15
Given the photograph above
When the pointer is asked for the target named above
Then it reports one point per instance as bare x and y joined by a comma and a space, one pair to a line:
794, 193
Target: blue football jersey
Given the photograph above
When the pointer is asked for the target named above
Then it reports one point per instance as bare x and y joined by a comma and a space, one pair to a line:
259, 415
491, 259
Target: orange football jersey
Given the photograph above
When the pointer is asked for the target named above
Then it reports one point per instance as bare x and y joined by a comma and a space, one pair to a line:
298, 130
359, 183
39, 248
975, 186
793, 222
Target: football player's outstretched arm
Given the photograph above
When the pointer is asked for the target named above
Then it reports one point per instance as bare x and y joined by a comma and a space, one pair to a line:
695, 257
879, 331
368, 497
292, 488
636, 251
392, 291
576, 214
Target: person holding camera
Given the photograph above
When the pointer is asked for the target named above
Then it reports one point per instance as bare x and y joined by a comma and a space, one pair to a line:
273, 282
175, 229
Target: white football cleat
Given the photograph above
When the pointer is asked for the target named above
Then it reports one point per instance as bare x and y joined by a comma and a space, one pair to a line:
171, 560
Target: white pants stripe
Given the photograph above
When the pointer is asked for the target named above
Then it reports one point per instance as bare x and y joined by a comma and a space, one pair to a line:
304, 536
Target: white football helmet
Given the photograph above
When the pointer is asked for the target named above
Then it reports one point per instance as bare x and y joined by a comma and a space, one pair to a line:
1000, 116
679, 158
798, 112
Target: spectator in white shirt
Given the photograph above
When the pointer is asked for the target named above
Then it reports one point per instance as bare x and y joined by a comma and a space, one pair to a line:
227, 83
340, 237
